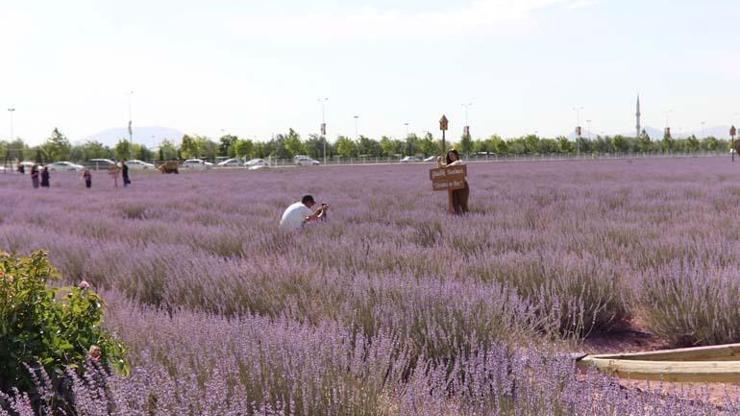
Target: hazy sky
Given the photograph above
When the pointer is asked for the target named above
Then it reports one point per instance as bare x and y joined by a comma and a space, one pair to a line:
254, 68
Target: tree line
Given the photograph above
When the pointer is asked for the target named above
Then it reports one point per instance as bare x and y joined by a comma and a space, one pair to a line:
284, 146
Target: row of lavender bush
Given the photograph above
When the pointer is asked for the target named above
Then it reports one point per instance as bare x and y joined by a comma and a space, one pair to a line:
549, 251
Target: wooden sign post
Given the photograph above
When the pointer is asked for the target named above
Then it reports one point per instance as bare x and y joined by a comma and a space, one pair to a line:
443, 126
448, 179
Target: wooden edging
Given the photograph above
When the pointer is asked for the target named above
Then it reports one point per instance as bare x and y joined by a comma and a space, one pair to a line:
718, 364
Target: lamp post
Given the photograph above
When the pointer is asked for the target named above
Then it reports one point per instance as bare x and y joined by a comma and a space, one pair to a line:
130, 125
407, 129
357, 128
323, 125
12, 133
588, 123
703, 129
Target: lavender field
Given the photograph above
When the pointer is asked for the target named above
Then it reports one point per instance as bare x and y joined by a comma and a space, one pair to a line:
393, 307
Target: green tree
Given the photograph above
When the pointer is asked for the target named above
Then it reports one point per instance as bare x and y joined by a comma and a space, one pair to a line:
466, 144
57, 147
243, 148
123, 149
167, 150
346, 147
189, 147
292, 144
226, 146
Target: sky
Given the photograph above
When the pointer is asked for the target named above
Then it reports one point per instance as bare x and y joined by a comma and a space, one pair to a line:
257, 68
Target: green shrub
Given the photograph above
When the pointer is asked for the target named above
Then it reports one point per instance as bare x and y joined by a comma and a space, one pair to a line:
49, 327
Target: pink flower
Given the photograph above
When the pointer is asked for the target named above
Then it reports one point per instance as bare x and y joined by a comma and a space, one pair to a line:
84, 285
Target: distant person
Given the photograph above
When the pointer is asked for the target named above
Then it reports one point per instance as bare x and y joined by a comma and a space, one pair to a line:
45, 177
21, 169
113, 172
87, 177
459, 196
124, 173
35, 175
300, 213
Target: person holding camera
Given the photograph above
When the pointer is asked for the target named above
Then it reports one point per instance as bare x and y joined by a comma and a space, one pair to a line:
300, 213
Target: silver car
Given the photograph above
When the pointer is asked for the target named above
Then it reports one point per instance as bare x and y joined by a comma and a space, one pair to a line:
64, 166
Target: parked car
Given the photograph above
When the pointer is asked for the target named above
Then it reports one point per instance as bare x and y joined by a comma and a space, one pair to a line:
196, 164
410, 159
231, 163
431, 159
101, 163
64, 166
139, 165
302, 160
255, 164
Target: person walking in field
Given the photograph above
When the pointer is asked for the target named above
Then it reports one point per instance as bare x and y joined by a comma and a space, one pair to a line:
45, 177
301, 213
35, 175
124, 173
113, 172
87, 177
459, 196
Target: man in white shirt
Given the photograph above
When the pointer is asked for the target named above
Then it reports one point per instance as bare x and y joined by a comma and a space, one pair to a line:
300, 213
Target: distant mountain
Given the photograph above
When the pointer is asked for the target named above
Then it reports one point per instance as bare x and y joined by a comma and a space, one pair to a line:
150, 136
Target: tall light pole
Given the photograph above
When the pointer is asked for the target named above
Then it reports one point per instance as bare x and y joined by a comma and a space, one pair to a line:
12, 133
407, 129
357, 128
130, 125
703, 128
588, 123
323, 124
578, 110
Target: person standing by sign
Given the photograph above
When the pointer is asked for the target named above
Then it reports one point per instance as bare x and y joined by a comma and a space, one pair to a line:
459, 196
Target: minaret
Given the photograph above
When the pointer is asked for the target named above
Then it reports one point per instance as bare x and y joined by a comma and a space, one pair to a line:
639, 130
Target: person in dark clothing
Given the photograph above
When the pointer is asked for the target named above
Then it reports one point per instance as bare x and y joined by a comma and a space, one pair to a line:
21, 169
124, 173
35, 175
459, 196
45, 177
87, 176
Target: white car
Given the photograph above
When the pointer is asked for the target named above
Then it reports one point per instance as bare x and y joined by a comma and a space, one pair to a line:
196, 164
431, 159
139, 165
301, 160
410, 159
231, 163
64, 166
255, 164
102, 163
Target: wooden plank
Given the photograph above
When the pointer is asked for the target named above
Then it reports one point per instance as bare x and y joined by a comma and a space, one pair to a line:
728, 352
448, 185
668, 371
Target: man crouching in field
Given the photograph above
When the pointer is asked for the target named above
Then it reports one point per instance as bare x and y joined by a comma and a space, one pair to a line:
301, 213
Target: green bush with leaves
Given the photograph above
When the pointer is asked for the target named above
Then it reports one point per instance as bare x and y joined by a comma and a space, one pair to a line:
46, 326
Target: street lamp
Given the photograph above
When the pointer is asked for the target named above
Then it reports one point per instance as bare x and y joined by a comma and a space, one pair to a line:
703, 128
130, 124
12, 133
323, 124
407, 129
357, 129
588, 123
578, 110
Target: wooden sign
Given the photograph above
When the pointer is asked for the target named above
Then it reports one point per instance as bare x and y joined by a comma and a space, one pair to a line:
443, 123
448, 179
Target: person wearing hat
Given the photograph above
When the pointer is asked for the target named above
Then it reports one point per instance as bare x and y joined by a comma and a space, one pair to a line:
459, 196
300, 213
